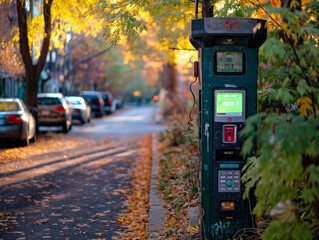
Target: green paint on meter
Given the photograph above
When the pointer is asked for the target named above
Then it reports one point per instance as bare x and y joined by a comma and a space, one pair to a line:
229, 104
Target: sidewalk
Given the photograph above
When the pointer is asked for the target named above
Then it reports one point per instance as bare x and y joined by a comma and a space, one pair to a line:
156, 212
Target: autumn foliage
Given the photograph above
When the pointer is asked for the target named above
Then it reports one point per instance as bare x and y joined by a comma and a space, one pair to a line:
135, 217
10, 60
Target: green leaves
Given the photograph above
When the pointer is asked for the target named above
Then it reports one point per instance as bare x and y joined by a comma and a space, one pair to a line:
273, 49
286, 168
287, 231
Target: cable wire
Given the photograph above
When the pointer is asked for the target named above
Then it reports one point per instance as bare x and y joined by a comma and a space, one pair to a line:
190, 124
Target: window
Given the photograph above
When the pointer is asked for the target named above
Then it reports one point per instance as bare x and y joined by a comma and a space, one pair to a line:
9, 107
229, 63
48, 101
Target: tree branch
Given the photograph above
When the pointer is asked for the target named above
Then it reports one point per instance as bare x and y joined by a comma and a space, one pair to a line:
23, 33
86, 59
47, 35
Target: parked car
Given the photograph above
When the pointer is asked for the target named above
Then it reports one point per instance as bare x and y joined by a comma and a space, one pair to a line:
53, 110
80, 109
16, 121
118, 103
95, 100
109, 106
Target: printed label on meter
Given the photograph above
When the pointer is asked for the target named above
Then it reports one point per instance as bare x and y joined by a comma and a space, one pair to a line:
227, 205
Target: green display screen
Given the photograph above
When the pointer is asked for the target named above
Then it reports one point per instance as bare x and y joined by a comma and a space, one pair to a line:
229, 104
229, 62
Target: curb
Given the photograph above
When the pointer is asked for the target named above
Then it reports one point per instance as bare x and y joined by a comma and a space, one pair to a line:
156, 211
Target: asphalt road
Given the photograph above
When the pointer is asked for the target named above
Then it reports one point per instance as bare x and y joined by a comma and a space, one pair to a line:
132, 123
75, 194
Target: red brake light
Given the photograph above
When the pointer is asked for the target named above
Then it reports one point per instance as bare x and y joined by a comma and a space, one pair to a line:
100, 103
60, 109
110, 102
14, 119
76, 110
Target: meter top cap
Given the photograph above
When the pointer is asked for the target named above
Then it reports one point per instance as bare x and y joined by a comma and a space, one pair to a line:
228, 31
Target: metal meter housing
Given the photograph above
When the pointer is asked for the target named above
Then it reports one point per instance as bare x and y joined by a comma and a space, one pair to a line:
228, 71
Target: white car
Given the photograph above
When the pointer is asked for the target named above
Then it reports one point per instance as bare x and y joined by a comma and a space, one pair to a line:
80, 109
16, 121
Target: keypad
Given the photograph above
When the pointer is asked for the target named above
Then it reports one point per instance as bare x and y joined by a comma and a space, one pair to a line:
229, 181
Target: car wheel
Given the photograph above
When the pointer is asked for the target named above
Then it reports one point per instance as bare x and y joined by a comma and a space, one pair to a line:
83, 121
65, 128
26, 141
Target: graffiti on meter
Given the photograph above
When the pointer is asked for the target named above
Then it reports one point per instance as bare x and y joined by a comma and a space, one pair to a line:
229, 104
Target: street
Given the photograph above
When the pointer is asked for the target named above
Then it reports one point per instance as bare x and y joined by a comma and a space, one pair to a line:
75, 193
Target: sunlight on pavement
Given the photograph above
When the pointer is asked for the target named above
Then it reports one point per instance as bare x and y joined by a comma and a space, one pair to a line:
129, 118
58, 165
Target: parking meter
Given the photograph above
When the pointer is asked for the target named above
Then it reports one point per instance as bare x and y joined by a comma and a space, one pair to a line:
228, 71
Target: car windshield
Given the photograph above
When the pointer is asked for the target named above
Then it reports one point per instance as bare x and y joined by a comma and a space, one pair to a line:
105, 97
48, 101
91, 98
9, 107
74, 101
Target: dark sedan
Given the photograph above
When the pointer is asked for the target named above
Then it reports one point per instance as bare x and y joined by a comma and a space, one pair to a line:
16, 121
96, 102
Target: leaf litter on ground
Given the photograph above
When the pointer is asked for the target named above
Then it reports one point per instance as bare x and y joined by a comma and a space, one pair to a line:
135, 217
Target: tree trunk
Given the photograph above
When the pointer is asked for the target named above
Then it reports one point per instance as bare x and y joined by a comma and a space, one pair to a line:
33, 71
170, 79
206, 9
172, 102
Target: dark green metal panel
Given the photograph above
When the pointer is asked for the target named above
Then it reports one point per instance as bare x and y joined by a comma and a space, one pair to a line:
222, 228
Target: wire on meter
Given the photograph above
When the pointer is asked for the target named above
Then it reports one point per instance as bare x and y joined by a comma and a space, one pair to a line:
190, 124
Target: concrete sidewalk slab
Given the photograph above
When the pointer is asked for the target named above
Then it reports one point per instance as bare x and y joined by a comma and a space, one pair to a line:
156, 211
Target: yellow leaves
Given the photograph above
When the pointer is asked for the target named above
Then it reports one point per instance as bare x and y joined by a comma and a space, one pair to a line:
305, 106
195, 228
139, 195
135, 217
120, 220
172, 221
257, 27
66, 16
294, 4
275, 3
